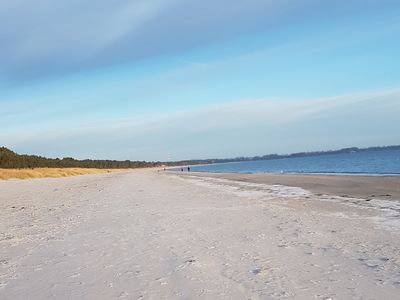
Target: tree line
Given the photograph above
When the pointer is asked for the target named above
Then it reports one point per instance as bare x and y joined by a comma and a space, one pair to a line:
279, 156
11, 160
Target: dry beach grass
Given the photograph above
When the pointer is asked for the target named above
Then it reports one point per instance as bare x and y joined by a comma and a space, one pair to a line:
6, 174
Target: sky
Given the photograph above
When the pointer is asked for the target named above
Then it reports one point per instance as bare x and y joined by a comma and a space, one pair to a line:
176, 79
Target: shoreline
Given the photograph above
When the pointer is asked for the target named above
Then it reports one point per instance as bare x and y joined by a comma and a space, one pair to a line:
172, 169
355, 186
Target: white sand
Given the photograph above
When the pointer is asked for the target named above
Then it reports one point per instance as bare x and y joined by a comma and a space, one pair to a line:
156, 236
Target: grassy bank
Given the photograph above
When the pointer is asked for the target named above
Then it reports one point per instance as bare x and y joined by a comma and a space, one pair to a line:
50, 172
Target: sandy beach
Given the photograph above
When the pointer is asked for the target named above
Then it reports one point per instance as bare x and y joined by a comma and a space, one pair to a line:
162, 235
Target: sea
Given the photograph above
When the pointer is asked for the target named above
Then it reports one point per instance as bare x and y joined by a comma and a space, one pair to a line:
370, 162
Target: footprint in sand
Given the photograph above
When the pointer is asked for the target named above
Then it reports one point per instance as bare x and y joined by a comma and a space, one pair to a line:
3, 262
123, 295
256, 270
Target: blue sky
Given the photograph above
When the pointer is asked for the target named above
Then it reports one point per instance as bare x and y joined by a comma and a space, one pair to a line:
177, 79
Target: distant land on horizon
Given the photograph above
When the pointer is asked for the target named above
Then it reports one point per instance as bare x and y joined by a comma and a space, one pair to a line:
11, 160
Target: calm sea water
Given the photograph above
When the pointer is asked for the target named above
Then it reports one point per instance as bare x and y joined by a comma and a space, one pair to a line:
378, 162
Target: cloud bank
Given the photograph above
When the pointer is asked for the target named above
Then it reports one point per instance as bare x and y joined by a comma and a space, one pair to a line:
251, 127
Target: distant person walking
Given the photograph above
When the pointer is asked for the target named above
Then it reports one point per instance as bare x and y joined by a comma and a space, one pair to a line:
181, 169
188, 168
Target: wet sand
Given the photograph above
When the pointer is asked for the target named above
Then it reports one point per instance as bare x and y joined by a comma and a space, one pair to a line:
366, 187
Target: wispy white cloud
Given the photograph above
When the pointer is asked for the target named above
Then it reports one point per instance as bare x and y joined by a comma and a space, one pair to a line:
46, 38
46, 35
241, 128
